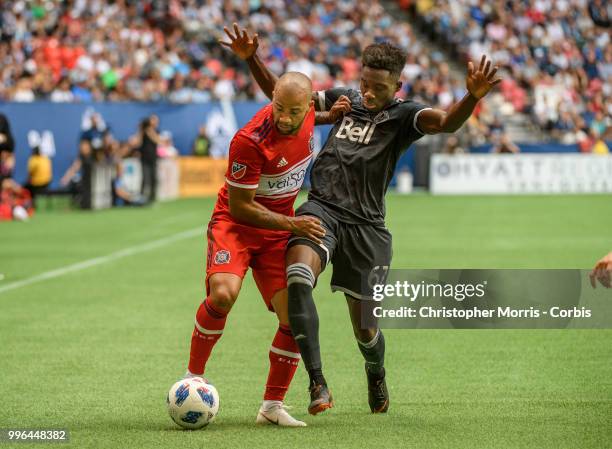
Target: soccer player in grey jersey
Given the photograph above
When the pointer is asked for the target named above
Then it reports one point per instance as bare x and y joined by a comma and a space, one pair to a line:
349, 180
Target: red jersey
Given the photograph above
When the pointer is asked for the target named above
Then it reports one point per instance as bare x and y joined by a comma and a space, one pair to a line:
274, 164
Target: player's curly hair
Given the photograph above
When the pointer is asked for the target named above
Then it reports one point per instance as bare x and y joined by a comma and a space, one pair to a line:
384, 56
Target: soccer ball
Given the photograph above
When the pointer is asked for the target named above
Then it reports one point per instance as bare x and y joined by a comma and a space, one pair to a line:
193, 403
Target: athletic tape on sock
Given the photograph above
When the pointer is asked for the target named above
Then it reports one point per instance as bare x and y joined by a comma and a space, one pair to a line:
300, 273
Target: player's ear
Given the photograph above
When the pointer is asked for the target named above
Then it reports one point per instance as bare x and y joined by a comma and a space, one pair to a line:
398, 86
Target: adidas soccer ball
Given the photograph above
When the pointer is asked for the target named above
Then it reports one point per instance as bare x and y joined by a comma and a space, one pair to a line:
193, 403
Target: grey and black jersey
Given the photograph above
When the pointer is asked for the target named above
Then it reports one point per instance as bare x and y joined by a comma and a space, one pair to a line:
352, 172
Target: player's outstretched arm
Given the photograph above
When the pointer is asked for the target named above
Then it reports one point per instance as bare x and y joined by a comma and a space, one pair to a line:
245, 209
479, 83
341, 106
245, 47
602, 272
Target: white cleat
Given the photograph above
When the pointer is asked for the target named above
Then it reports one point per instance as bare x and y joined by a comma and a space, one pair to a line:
189, 375
278, 415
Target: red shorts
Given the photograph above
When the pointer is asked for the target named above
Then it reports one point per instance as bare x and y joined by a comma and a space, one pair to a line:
233, 248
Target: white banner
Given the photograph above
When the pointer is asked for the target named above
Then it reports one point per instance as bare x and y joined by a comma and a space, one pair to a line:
101, 186
520, 173
167, 179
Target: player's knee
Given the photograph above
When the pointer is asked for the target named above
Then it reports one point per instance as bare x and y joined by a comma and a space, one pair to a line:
223, 297
302, 254
365, 335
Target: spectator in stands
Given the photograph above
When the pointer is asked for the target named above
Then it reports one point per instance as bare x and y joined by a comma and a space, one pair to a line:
201, 143
166, 147
39, 174
452, 146
62, 93
599, 145
505, 145
23, 92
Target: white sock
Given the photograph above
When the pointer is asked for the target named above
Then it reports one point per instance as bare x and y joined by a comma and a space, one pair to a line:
266, 406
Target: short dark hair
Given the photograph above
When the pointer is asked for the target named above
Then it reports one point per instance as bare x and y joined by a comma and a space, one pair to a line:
384, 56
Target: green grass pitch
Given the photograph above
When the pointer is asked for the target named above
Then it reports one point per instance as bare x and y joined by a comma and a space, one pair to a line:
95, 350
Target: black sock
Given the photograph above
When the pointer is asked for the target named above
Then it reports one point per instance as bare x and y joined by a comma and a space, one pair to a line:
304, 322
374, 353
316, 377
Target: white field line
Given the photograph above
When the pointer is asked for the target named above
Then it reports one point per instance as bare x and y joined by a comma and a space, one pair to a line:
126, 252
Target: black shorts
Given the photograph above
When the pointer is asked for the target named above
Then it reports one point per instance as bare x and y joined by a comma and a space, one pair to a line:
360, 253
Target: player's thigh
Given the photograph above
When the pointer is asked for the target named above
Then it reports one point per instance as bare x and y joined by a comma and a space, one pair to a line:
305, 251
268, 266
226, 263
361, 259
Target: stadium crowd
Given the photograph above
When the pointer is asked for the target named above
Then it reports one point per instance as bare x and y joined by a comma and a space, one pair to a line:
557, 54
152, 50
157, 50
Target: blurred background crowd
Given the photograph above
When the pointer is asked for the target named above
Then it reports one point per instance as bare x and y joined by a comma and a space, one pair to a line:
556, 56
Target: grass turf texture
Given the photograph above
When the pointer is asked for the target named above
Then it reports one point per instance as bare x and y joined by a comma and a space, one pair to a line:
95, 351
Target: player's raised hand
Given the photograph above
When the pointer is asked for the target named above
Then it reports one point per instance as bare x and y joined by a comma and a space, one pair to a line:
341, 107
243, 45
480, 81
602, 272
309, 227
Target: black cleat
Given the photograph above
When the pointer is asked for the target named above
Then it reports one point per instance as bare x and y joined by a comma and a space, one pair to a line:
320, 399
378, 395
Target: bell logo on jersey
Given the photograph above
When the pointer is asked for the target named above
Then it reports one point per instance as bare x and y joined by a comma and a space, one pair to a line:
238, 170
222, 257
349, 131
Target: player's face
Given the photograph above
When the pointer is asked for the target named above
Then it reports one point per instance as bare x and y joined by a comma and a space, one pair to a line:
289, 111
378, 88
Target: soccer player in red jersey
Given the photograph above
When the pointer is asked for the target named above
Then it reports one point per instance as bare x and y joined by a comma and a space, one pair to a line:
251, 225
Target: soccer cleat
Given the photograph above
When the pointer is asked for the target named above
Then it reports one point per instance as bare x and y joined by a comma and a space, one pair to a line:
378, 395
320, 399
278, 416
189, 375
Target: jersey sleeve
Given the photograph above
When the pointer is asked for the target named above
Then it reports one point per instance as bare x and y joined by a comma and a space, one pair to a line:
244, 164
326, 98
410, 113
